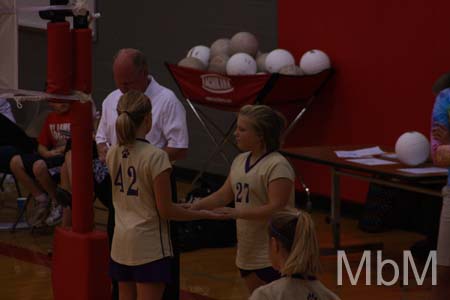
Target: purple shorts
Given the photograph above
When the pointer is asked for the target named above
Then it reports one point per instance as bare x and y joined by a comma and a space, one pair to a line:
155, 271
267, 275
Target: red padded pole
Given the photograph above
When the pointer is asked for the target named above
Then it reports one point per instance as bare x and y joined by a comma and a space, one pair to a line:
59, 58
82, 178
81, 255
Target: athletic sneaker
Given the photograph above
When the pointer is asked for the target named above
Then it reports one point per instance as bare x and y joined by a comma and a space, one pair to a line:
55, 215
39, 214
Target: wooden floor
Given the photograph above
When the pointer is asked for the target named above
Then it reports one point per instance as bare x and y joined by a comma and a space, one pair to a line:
25, 271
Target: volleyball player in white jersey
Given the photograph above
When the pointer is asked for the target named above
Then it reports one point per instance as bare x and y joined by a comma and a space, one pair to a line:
261, 182
294, 252
140, 173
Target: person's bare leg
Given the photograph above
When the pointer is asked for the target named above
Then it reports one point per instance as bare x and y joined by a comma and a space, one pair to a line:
65, 177
152, 291
17, 168
40, 170
67, 217
65, 184
68, 162
40, 212
127, 290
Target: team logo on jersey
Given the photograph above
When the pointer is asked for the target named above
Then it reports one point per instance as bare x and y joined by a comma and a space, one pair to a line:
312, 296
217, 84
125, 153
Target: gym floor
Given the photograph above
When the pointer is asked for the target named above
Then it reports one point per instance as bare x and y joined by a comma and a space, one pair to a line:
25, 266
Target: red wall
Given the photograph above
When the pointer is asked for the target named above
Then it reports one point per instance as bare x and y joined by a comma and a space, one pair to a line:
386, 54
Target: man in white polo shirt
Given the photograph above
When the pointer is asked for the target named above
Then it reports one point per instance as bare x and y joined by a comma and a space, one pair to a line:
169, 130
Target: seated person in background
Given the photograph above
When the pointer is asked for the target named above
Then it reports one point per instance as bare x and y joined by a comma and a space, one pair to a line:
294, 252
64, 192
13, 140
100, 173
35, 170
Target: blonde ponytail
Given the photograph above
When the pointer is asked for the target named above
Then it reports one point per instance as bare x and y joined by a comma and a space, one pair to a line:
296, 233
132, 108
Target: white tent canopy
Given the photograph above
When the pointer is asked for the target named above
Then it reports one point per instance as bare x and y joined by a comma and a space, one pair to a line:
9, 45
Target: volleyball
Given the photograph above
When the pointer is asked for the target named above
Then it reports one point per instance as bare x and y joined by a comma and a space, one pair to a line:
291, 70
241, 64
314, 61
412, 148
244, 42
277, 59
261, 62
220, 47
200, 52
218, 63
192, 62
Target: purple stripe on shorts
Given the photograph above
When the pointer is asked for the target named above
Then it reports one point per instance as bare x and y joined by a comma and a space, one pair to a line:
155, 271
267, 275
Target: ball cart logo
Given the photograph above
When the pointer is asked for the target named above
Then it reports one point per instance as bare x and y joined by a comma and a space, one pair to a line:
217, 84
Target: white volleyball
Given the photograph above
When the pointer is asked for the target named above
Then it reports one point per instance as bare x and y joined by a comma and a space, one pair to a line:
314, 61
218, 63
192, 62
277, 59
244, 42
412, 148
200, 52
220, 47
241, 64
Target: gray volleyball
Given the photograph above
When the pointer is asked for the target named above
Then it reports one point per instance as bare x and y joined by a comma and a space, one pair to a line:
192, 62
220, 46
261, 62
244, 42
218, 63
291, 70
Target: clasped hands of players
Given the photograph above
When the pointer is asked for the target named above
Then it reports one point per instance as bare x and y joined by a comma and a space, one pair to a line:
220, 213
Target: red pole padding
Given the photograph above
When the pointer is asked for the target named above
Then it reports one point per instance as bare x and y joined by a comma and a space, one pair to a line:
81, 255
59, 58
82, 177
82, 60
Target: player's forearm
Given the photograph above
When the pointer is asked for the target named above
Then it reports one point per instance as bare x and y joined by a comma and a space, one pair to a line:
263, 212
44, 152
177, 213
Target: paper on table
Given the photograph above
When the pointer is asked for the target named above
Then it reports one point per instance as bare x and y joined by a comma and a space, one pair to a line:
428, 170
372, 161
390, 155
359, 153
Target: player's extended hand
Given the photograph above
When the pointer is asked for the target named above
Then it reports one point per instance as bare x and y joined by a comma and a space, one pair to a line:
214, 215
440, 133
230, 212
184, 205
